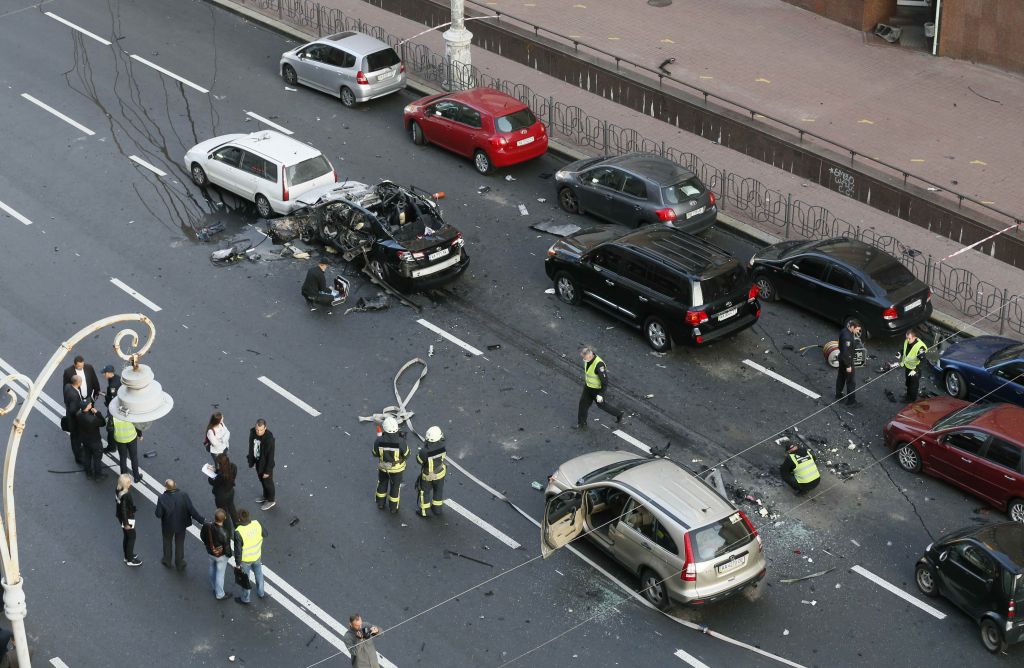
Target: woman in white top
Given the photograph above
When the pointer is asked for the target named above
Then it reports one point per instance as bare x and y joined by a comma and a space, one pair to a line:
217, 436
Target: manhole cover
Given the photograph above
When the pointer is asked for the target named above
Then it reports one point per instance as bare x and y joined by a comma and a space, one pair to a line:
659, 3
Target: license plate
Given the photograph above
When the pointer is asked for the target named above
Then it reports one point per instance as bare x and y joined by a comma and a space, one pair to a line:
695, 212
912, 305
725, 315
386, 75
732, 565
439, 254
524, 142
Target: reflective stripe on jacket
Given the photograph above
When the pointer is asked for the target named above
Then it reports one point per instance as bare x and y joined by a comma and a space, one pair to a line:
805, 470
124, 432
912, 355
432, 463
590, 373
392, 450
252, 540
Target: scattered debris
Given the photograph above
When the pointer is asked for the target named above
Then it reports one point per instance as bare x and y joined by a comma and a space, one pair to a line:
516, 458
785, 632
852, 445
763, 512
810, 603
150, 454
549, 291
807, 577
466, 556
542, 199
648, 396
294, 90
494, 346
295, 520
378, 303
545, 175
206, 233
838, 585
430, 350
557, 229
483, 189
523, 211
536, 485
509, 177
855, 542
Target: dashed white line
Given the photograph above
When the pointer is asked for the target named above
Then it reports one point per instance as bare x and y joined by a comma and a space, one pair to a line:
483, 524
289, 396
690, 659
15, 214
134, 293
59, 115
782, 379
632, 441
169, 73
150, 166
899, 592
267, 121
55, 661
454, 339
84, 32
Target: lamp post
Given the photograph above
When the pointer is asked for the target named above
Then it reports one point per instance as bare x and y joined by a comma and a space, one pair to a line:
143, 401
456, 47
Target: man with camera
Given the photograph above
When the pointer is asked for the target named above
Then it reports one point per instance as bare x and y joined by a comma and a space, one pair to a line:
359, 641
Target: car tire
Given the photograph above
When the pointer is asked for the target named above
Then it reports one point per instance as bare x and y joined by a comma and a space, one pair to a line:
482, 162
378, 269
567, 290
348, 98
992, 636
263, 208
924, 576
416, 134
657, 335
568, 200
909, 458
653, 589
767, 291
199, 175
1015, 509
954, 383
289, 75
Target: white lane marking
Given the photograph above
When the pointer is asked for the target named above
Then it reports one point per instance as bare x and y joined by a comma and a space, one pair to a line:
899, 592
15, 214
782, 379
55, 661
289, 396
690, 659
483, 524
454, 339
87, 34
134, 293
169, 73
632, 441
267, 121
59, 115
150, 166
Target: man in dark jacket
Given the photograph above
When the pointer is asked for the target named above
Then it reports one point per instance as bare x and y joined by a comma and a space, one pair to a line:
849, 340
176, 512
113, 385
218, 546
261, 455
314, 288
89, 421
74, 402
88, 376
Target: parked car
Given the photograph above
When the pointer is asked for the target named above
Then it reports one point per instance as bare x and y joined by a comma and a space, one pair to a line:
672, 285
350, 65
492, 128
976, 447
265, 167
981, 570
635, 189
841, 279
984, 366
398, 233
685, 542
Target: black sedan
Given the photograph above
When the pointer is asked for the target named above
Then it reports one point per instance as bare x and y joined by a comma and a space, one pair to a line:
635, 189
841, 279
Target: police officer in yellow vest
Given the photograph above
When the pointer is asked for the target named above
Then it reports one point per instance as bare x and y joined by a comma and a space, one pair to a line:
431, 458
913, 349
391, 450
126, 437
249, 535
595, 388
799, 470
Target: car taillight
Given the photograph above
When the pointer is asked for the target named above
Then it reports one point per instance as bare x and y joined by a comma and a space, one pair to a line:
284, 185
409, 256
696, 317
929, 299
401, 69
753, 293
753, 530
543, 130
711, 198
458, 240
361, 78
666, 214
551, 251
689, 571
335, 175
890, 314
1011, 609
498, 141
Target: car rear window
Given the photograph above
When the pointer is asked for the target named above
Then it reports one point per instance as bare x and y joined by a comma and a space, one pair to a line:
720, 538
307, 170
724, 285
519, 120
891, 276
962, 416
683, 191
382, 60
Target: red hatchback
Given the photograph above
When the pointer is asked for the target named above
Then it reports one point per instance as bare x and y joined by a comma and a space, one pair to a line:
494, 129
976, 447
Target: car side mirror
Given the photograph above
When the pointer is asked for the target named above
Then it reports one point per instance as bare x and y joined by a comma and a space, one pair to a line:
790, 268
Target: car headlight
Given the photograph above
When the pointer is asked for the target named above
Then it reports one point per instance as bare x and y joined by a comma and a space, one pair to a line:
409, 108
562, 174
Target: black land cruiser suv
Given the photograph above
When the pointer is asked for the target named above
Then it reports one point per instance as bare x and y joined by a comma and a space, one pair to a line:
672, 285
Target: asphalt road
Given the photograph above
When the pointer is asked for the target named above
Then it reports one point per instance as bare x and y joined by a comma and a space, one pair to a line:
96, 215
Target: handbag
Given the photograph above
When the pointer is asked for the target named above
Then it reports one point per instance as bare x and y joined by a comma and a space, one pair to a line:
242, 578
65, 424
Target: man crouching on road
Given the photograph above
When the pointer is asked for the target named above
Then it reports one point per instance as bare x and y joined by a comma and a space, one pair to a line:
799, 470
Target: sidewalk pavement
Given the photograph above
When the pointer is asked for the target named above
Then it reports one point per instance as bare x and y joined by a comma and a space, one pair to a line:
995, 273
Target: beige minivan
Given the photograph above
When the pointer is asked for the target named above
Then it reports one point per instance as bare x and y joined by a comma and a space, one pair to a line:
685, 542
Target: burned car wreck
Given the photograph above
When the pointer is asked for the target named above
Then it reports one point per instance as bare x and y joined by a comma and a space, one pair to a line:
396, 233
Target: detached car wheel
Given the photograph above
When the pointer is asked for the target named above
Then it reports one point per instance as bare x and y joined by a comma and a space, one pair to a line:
289, 76
924, 576
378, 269
1016, 510
348, 98
482, 162
567, 290
653, 589
199, 176
263, 208
657, 334
955, 385
766, 289
416, 134
568, 201
992, 636
909, 458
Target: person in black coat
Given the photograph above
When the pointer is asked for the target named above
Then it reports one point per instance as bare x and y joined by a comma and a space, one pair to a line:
88, 376
113, 384
89, 422
176, 512
74, 402
261, 456
314, 288
224, 487
849, 339
126, 517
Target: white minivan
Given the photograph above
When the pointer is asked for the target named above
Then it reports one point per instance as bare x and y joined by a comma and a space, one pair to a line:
265, 167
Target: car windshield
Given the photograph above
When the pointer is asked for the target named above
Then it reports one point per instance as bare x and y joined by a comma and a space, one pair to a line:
723, 285
683, 191
891, 276
608, 472
519, 120
1006, 354
307, 170
382, 60
719, 538
965, 415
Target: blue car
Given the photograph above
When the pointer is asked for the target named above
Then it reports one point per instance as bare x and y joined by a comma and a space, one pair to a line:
985, 366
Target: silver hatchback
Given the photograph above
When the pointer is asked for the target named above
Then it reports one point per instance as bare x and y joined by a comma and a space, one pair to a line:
685, 542
351, 66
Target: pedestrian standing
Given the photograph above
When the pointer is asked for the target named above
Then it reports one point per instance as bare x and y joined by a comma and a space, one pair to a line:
913, 349
113, 384
90, 383
217, 436
595, 387
431, 458
224, 486
392, 451
846, 383
176, 513
359, 641
218, 546
261, 456
126, 438
126, 516
249, 535
74, 403
90, 421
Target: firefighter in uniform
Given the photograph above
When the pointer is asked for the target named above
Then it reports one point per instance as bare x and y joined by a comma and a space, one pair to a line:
595, 387
391, 450
799, 470
431, 458
913, 348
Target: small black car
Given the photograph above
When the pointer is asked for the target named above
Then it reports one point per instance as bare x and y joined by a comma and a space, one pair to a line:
672, 285
637, 188
981, 570
841, 279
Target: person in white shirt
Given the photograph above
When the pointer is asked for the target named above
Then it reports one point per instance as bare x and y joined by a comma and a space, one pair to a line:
217, 436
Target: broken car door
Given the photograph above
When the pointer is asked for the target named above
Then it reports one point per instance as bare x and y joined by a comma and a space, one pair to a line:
563, 521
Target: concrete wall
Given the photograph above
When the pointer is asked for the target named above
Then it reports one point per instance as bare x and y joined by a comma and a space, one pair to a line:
857, 14
984, 31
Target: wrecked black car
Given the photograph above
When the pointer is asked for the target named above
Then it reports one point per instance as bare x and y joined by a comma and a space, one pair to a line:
397, 233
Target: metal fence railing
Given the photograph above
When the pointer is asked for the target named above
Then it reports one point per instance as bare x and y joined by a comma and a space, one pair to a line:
787, 216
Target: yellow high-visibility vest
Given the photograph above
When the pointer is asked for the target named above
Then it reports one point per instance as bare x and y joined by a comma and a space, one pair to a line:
124, 432
252, 541
806, 470
590, 373
912, 355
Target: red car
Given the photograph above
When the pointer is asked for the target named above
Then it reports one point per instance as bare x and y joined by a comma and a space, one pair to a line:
976, 447
494, 129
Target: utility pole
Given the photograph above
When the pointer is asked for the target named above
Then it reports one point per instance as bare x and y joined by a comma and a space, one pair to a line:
456, 48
